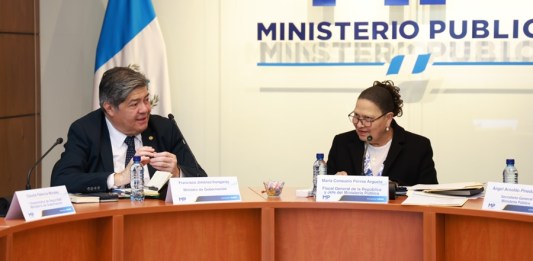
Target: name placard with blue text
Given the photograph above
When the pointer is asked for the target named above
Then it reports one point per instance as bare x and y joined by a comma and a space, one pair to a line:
40, 203
366, 189
203, 190
509, 197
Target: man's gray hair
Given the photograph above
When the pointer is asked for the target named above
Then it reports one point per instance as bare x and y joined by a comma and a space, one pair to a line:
117, 83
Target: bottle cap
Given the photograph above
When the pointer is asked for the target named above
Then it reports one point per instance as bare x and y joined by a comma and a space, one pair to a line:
509, 161
319, 156
136, 158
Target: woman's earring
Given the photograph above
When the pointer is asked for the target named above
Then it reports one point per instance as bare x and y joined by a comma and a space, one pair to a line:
387, 129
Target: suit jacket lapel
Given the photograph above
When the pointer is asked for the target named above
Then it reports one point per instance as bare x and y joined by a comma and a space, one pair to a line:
106, 152
396, 147
357, 148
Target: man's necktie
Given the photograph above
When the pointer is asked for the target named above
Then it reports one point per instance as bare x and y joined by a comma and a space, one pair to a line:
130, 141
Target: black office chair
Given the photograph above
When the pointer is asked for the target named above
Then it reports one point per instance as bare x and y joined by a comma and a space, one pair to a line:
4, 206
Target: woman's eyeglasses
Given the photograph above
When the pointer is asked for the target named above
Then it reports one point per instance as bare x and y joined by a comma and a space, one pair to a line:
366, 121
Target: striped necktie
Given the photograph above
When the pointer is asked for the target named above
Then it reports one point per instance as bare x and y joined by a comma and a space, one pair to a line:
130, 141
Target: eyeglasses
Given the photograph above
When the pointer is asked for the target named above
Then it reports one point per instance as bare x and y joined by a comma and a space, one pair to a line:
367, 121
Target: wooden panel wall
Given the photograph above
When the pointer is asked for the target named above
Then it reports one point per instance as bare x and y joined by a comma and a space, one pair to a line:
20, 122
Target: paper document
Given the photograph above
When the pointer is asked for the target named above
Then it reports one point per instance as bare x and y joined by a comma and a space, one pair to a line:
151, 189
446, 186
428, 199
448, 194
463, 189
158, 180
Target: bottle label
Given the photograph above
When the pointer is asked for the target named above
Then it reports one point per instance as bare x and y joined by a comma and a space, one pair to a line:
137, 182
510, 175
322, 170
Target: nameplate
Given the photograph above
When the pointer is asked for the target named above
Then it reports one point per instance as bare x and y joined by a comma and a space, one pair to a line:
367, 189
203, 190
40, 203
509, 197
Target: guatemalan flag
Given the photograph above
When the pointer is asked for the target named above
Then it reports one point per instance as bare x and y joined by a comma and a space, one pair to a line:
131, 36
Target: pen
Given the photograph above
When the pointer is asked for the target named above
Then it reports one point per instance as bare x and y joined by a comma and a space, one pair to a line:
151, 188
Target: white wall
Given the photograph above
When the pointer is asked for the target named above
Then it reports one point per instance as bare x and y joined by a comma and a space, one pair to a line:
69, 34
237, 126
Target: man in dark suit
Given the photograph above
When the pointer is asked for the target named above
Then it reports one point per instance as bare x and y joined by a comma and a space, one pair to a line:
96, 157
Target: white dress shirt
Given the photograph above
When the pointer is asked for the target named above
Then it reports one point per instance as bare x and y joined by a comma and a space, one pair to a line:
119, 148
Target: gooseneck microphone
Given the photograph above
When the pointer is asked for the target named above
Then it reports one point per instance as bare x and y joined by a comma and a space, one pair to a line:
196, 165
368, 140
58, 141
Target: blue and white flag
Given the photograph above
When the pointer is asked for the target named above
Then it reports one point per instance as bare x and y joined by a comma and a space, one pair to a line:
131, 36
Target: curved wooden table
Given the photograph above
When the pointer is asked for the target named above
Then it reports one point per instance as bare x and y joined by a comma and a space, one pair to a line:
259, 228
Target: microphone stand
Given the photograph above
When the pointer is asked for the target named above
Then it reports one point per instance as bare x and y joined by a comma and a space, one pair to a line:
58, 141
196, 165
367, 143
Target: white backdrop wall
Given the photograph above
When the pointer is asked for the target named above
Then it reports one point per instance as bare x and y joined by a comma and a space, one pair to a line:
267, 122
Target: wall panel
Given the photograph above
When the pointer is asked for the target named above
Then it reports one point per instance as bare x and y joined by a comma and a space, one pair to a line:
20, 120
18, 136
19, 16
18, 75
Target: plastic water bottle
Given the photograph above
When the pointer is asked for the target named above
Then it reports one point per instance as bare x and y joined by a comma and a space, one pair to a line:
137, 180
510, 173
319, 168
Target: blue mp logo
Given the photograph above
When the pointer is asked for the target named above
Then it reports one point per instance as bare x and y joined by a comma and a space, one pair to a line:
420, 65
387, 2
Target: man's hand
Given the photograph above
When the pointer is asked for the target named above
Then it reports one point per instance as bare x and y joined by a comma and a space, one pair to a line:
165, 161
146, 153
123, 177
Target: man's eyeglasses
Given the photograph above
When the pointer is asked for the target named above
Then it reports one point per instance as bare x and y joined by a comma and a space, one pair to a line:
367, 121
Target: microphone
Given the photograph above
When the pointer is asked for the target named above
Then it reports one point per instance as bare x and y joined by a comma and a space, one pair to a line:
196, 165
368, 139
58, 141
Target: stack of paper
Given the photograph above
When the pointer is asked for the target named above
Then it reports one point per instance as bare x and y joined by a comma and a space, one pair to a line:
151, 189
451, 194
452, 189
93, 197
